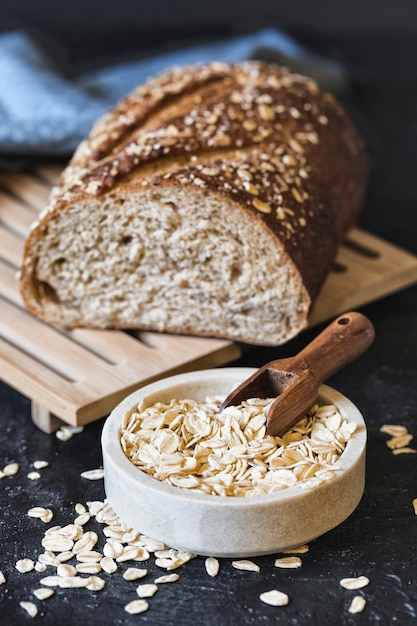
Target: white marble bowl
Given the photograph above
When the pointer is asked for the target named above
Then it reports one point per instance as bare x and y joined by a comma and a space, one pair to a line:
228, 526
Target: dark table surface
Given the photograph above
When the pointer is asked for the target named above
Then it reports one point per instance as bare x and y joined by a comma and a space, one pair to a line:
379, 540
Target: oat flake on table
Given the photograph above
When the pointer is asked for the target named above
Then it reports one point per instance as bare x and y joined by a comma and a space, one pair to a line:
357, 605
355, 582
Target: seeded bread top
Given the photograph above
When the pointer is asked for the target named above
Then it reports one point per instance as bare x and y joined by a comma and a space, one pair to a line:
256, 133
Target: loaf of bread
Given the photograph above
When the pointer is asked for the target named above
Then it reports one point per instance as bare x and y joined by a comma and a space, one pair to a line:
210, 201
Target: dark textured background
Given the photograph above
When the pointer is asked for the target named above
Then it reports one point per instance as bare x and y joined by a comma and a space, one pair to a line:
378, 46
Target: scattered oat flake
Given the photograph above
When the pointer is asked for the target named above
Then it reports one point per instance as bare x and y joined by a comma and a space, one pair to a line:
357, 605
415, 505
130, 553
86, 542
43, 593
249, 566
168, 578
11, 469
63, 435
399, 442
57, 543
393, 429
354, 583
65, 556
147, 591
64, 569
65, 582
108, 564
137, 606
66, 432
47, 517
30, 608
40, 464
112, 549
34, 475
24, 565
40, 567
83, 518
274, 598
288, 562
95, 583
405, 450
95, 507
2, 578
48, 558
175, 561
39, 512
88, 568
89, 556
94, 474
212, 566
134, 573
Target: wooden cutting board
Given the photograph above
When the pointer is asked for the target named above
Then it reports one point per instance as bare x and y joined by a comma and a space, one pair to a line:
80, 375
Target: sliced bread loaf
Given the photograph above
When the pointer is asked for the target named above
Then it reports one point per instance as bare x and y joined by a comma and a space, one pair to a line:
209, 201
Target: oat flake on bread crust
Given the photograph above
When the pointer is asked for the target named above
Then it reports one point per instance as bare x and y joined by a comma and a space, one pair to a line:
210, 201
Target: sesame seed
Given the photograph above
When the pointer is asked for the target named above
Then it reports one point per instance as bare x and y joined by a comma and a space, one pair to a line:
249, 125
219, 141
245, 174
297, 195
296, 146
252, 189
288, 159
266, 112
210, 171
263, 207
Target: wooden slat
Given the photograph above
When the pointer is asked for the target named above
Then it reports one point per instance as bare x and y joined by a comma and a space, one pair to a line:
49, 173
8, 284
28, 188
77, 383
58, 351
80, 375
11, 247
30, 377
14, 215
378, 270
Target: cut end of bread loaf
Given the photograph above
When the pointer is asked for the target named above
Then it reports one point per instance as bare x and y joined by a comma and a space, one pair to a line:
188, 261
210, 201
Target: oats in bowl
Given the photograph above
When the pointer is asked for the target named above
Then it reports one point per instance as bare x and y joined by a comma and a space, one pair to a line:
190, 459
191, 445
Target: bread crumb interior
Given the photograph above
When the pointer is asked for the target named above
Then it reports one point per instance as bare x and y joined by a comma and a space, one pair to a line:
168, 259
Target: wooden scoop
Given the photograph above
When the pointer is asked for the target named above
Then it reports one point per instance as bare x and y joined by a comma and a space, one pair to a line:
296, 380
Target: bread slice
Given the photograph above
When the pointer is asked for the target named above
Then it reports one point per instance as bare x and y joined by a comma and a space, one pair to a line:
210, 201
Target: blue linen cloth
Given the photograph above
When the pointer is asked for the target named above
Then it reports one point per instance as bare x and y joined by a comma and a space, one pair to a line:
42, 112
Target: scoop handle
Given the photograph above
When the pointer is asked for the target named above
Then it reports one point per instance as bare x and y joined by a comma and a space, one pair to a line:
340, 343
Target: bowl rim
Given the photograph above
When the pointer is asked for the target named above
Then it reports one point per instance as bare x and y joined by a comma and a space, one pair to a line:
111, 445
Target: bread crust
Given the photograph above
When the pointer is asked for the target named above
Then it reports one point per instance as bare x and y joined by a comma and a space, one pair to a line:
284, 153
